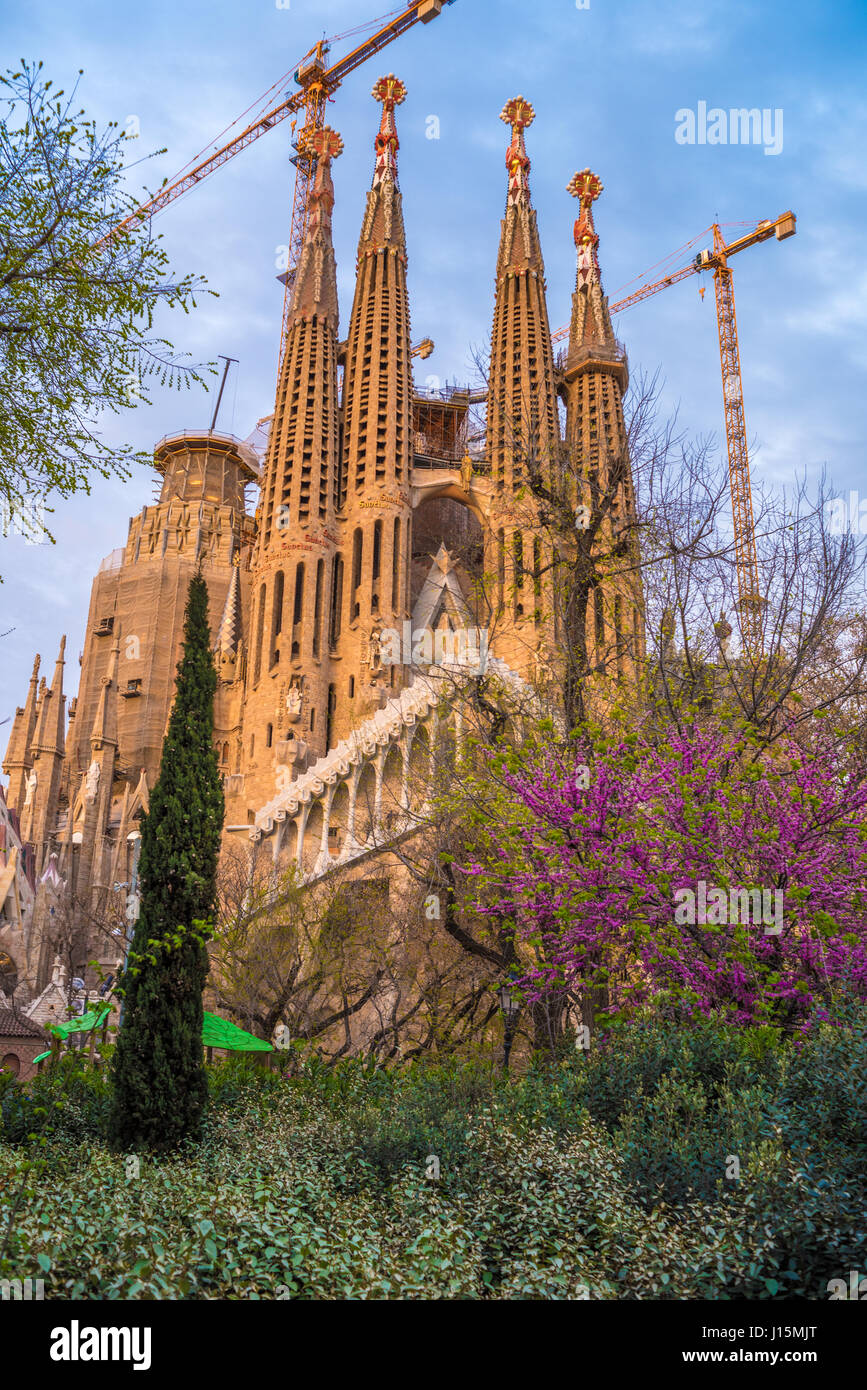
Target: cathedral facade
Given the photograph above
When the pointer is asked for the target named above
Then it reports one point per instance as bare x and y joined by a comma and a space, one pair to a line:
396, 538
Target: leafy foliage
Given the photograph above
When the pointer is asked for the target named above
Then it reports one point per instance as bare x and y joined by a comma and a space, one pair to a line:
603, 1177
76, 305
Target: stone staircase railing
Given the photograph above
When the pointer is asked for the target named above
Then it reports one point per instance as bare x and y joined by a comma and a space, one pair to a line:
393, 727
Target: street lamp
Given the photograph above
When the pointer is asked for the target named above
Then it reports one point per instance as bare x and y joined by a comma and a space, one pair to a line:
510, 1007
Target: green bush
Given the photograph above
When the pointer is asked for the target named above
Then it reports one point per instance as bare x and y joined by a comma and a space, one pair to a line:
601, 1176
66, 1099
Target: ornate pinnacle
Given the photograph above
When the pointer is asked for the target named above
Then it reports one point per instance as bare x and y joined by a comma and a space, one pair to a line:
391, 92
586, 187
323, 145
518, 113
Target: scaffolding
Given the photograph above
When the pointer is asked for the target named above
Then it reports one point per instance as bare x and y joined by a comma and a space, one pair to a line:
446, 428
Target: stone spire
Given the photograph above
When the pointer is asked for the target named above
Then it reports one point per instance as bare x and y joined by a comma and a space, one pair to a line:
47, 748
596, 374
18, 760
377, 447
98, 785
293, 565
591, 321
391, 92
522, 435
595, 379
377, 440
229, 634
50, 735
315, 289
104, 730
300, 471
522, 400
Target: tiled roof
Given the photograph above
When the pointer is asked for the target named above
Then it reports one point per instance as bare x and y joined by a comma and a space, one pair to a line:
14, 1025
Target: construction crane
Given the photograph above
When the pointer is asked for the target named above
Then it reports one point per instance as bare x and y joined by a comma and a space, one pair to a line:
317, 83
716, 259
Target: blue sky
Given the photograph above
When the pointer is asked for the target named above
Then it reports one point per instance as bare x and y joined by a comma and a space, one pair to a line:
606, 82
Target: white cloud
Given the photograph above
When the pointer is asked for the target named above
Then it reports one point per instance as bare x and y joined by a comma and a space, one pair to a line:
670, 27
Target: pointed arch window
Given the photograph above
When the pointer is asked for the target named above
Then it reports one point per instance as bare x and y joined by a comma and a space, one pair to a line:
335, 622
357, 554
260, 628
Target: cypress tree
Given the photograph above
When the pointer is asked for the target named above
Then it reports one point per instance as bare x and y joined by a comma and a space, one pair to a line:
159, 1081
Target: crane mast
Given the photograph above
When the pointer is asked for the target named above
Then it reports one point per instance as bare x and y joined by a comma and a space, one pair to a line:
750, 601
317, 83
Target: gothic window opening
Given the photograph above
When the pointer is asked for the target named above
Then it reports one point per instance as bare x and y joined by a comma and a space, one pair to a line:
276, 615
501, 565
537, 580
395, 568
376, 564
317, 605
518, 568
297, 610
356, 572
260, 627
336, 601
329, 717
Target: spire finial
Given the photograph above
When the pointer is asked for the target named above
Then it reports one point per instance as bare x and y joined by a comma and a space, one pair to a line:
391, 92
518, 113
586, 187
323, 145
326, 144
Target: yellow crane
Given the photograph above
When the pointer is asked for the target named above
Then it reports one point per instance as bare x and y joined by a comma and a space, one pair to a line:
317, 82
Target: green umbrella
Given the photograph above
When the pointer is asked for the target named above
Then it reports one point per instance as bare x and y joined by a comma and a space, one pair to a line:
82, 1024
219, 1032
216, 1032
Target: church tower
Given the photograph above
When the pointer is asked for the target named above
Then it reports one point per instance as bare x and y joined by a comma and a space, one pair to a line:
596, 377
18, 763
94, 803
372, 592
295, 569
77, 791
523, 433
47, 751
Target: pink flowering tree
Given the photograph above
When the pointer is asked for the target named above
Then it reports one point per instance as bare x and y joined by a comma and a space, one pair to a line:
697, 876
